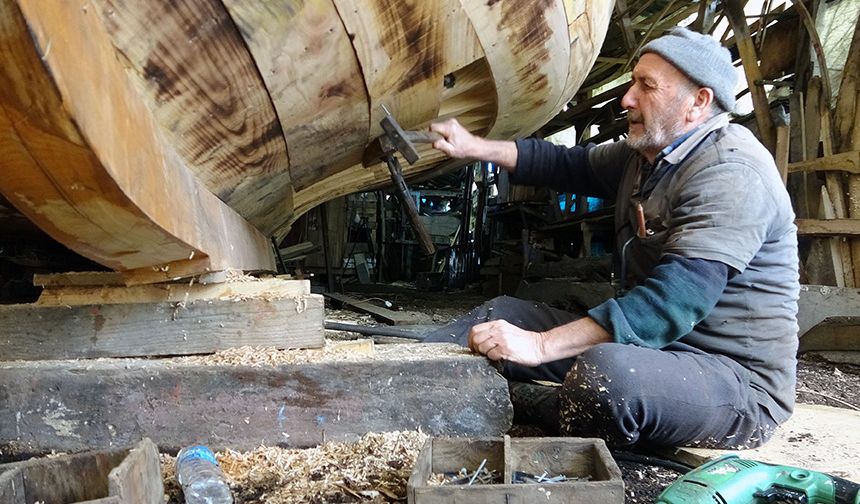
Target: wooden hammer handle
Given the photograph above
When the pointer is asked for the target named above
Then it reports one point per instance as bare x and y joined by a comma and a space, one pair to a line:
421, 136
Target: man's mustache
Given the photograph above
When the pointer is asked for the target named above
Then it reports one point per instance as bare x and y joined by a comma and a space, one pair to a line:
634, 116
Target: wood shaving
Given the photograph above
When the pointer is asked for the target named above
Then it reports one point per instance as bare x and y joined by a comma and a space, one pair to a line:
373, 469
233, 275
332, 351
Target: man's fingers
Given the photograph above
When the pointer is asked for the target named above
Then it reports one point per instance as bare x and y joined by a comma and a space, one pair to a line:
476, 337
486, 346
444, 146
444, 128
495, 353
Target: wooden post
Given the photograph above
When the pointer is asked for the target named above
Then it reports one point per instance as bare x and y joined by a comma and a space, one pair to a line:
735, 12
848, 134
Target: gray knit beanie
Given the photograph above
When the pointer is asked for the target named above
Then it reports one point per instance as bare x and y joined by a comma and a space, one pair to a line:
702, 59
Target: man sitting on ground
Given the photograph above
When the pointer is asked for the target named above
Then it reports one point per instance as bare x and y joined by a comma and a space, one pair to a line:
701, 349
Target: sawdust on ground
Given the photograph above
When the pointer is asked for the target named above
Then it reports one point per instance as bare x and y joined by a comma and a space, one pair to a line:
372, 470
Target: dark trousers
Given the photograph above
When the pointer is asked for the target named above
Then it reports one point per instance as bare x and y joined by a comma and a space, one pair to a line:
629, 395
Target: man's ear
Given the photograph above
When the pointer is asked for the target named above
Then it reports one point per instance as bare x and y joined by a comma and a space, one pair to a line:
702, 100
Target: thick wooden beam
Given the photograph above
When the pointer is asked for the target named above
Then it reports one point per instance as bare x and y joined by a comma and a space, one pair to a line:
833, 227
270, 288
846, 161
74, 405
734, 11
36, 332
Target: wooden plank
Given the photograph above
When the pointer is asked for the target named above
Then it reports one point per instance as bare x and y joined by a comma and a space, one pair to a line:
846, 161
34, 332
323, 114
420, 473
529, 59
94, 171
138, 478
833, 227
377, 312
78, 278
12, 487
72, 405
194, 71
588, 23
845, 127
400, 47
782, 151
174, 293
848, 133
835, 243
623, 14
734, 11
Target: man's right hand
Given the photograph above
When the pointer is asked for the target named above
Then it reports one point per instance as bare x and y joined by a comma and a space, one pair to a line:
456, 140
459, 143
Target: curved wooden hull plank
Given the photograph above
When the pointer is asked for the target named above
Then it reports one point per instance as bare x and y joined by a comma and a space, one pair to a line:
310, 69
527, 47
588, 22
98, 176
200, 81
400, 46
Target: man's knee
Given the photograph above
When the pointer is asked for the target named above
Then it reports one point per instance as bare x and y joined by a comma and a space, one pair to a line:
592, 400
604, 366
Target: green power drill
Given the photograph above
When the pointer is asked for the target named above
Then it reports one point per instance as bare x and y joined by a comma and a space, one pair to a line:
733, 480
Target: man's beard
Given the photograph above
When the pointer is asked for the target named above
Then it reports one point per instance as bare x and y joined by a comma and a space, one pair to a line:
662, 131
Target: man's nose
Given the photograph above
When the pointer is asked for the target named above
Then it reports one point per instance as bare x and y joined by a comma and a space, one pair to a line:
628, 101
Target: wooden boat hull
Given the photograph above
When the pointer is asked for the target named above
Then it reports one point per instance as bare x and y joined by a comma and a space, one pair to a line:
179, 136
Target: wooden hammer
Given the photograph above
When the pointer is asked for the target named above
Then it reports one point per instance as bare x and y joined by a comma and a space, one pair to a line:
396, 139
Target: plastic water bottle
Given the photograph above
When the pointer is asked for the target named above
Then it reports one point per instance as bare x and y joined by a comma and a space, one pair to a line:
201, 478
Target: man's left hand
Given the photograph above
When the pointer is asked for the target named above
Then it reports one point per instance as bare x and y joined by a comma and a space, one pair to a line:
499, 339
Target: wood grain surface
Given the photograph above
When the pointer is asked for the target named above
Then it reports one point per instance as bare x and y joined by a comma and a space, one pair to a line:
195, 73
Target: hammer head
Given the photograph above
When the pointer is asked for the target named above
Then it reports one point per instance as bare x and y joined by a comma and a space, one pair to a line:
399, 138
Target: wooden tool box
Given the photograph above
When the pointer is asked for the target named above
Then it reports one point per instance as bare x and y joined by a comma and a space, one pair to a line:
115, 476
593, 476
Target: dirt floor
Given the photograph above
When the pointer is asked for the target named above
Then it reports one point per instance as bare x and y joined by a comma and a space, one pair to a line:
375, 468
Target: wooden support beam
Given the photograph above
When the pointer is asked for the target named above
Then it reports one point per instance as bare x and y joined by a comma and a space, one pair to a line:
734, 10
705, 18
623, 13
309, 398
848, 133
833, 227
37, 332
847, 161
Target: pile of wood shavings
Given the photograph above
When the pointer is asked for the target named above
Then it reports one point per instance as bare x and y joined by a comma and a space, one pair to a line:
374, 469
351, 351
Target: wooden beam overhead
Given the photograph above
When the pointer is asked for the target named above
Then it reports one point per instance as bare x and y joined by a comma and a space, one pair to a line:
734, 10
